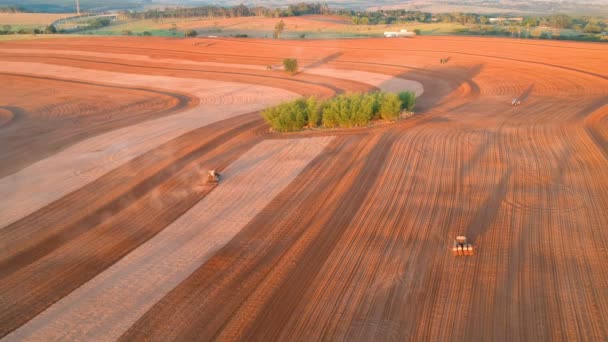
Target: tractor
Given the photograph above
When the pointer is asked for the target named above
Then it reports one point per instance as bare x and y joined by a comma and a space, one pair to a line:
461, 247
213, 177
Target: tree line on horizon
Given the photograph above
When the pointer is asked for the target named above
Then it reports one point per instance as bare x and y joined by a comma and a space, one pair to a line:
479, 24
588, 24
589, 27
241, 10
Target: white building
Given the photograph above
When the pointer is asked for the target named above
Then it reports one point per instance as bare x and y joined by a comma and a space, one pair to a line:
402, 33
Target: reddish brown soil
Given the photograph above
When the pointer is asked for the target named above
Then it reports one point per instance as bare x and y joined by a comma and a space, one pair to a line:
355, 248
48, 115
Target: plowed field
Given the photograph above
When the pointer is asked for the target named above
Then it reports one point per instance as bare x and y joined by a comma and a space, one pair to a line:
108, 229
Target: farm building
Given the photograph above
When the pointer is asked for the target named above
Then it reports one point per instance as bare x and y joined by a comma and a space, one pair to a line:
401, 33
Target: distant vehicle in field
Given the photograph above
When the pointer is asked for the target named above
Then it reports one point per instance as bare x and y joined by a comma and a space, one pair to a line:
401, 33
461, 247
213, 177
515, 102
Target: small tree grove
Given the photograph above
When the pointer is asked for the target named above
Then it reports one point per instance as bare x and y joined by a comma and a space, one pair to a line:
191, 33
290, 65
346, 110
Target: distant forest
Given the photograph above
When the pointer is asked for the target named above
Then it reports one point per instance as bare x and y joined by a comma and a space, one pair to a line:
555, 26
589, 27
232, 12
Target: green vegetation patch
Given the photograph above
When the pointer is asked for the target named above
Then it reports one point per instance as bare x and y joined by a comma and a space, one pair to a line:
291, 65
346, 110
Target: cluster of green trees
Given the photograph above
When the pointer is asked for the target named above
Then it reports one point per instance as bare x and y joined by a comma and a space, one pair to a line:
387, 17
543, 27
291, 65
97, 23
557, 21
8, 29
231, 12
347, 110
476, 24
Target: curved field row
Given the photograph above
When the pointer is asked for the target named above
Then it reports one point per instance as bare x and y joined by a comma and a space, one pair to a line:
6, 116
112, 216
131, 286
37, 239
309, 84
596, 124
87, 160
43, 127
355, 246
384, 82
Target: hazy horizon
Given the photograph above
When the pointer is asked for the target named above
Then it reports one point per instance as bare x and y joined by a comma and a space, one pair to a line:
593, 7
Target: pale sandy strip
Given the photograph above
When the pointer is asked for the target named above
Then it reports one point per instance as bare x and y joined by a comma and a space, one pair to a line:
384, 82
52, 178
105, 307
131, 57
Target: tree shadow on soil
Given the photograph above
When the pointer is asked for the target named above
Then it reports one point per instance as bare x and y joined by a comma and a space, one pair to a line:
323, 60
488, 211
526, 93
440, 82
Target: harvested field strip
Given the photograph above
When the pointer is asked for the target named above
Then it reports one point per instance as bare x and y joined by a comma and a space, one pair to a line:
596, 124
262, 316
432, 49
383, 82
356, 246
87, 160
130, 57
249, 258
547, 197
7, 115
308, 84
130, 287
43, 127
318, 85
576, 53
131, 210
35, 235
385, 238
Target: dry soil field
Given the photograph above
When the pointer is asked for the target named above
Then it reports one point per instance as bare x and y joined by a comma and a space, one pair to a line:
109, 231
31, 18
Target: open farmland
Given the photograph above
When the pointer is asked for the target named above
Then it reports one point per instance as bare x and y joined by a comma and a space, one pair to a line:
31, 20
311, 26
108, 229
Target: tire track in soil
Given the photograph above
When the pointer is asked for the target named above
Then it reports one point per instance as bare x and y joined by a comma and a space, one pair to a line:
248, 259
50, 227
10, 115
151, 271
90, 159
538, 274
272, 313
595, 124
206, 73
22, 150
131, 212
